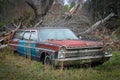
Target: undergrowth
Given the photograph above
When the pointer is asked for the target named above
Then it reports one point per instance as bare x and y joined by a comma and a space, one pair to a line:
15, 67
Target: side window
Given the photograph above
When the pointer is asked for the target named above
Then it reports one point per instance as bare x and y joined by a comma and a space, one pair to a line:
33, 36
26, 35
18, 35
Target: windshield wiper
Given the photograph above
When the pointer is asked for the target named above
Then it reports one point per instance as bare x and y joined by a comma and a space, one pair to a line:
51, 39
71, 39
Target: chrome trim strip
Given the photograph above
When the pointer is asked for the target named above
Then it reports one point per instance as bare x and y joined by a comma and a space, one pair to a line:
89, 47
82, 51
32, 47
81, 58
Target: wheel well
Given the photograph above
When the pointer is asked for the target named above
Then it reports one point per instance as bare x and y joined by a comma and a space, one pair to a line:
43, 56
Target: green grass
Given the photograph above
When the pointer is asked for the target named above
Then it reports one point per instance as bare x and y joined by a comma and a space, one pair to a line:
15, 67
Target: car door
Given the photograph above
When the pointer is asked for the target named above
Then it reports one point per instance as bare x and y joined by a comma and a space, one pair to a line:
27, 44
23, 44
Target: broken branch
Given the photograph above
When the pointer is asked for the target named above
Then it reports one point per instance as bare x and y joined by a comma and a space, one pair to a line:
96, 25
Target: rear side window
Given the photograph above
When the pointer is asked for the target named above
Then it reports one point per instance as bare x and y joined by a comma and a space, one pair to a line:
26, 35
18, 35
33, 36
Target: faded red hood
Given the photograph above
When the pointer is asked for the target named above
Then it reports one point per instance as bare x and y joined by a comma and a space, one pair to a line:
75, 43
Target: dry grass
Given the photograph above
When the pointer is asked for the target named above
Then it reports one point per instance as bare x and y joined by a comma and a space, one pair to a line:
15, 67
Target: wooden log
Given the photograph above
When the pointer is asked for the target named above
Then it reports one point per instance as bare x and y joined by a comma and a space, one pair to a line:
1, 40
3, 46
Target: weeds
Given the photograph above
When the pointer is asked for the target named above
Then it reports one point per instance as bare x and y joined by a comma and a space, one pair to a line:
15, 67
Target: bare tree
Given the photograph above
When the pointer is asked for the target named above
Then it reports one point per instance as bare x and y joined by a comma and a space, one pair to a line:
40, 8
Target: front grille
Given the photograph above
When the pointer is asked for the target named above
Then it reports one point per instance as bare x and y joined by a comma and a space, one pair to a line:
83, 52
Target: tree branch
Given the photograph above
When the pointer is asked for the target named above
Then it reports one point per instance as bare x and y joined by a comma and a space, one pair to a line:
96, 25
73, 10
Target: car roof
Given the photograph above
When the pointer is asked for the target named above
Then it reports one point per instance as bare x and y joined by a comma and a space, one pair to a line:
40, 28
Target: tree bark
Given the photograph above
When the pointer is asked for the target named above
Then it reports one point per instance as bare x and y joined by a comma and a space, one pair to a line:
40, 8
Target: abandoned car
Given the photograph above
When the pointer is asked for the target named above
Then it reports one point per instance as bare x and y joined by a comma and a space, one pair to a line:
56, 45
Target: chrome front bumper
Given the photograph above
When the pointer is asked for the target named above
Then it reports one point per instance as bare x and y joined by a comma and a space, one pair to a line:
82, 60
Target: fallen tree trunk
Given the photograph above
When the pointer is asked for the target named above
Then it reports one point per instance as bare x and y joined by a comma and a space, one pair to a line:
9, 29
1, 40
96, 25
3, 46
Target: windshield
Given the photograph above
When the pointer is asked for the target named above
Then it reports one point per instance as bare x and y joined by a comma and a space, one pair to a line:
56, 34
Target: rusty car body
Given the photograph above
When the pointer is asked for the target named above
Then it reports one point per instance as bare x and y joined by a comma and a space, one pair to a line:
55, 45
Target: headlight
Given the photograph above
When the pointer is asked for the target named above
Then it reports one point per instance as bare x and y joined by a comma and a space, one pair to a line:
61, 52
108, 51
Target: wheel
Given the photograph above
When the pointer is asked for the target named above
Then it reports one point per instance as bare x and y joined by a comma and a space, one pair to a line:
46, 61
